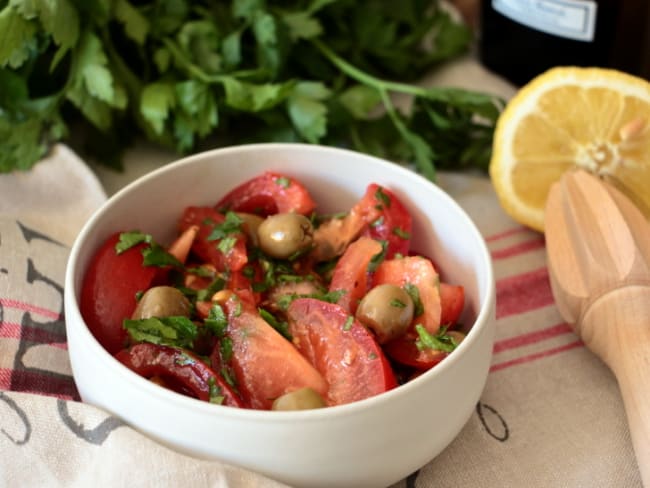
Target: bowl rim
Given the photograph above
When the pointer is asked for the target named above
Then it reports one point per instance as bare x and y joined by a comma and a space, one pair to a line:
74, 318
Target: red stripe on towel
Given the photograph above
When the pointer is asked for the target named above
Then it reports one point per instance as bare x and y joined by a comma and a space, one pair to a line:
7, 302
517, 249
536, 356
522, 293
531, 337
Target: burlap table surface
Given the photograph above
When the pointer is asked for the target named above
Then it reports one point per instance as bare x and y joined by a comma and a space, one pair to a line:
550, 415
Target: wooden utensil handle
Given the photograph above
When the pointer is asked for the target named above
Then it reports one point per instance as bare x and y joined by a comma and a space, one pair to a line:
626, 350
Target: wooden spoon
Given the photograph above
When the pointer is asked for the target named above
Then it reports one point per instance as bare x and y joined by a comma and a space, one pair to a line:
598, 246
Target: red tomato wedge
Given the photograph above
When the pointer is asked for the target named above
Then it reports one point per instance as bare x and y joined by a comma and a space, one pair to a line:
394, 222
405, 351
178, 368
378, 215
268, 194
231, 257
241, 284
419, 272
109, 290
351, 272
452, 301
342, 349
265, 364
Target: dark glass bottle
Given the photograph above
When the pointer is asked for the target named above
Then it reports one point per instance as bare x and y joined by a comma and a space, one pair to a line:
520, 39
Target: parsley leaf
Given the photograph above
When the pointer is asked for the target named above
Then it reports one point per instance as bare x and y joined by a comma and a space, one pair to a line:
128, 240
171, 331
382, 197
280, 325
17, 38
414, 292
216, 322
154, 255
177, 74
231, 224
378, 258
215, 393
401, 233
439, 342
330, 296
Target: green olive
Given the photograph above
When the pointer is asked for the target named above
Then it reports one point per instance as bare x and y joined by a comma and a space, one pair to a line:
302, 399
456, 335
250, 224
162, 301
387, 310
284, 234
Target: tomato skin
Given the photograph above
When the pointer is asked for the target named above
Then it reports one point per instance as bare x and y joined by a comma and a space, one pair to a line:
351, 272
241, 284
394, 223
348, 357
405, 351
206, 218
268, 194
109, 289
182, 366
452, 301
265, 364
417, 271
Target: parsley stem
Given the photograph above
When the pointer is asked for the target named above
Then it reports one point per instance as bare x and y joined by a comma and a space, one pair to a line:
484, 104
368, 79
425, 164
201, 75
423, 153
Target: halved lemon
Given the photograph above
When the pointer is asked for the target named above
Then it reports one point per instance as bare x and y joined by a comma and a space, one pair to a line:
592, 118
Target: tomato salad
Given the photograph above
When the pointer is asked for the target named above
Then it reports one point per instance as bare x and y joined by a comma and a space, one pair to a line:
262, 302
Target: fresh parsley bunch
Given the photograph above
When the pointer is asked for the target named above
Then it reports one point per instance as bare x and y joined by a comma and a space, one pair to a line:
194, 74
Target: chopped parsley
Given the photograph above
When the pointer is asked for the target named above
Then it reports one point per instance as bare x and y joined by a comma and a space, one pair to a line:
206, 293
131, 239
397, 303
275, 272
216, 321
249, 272
401, 233
439, 342
377, 222
283, 182
227, 375
201, 271
215, 395
280, 325
330, 296
347, 325
155, 255
293, 278
230, 225
171, 331
414, 293
226, 244
379, 257
237, 311
382, 197
225, 349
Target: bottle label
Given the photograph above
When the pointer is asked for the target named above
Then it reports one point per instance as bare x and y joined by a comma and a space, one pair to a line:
573, 19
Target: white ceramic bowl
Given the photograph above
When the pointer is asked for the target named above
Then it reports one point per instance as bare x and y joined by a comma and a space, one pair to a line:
374, 442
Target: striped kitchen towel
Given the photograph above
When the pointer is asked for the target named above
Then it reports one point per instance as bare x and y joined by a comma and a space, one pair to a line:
550, 415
